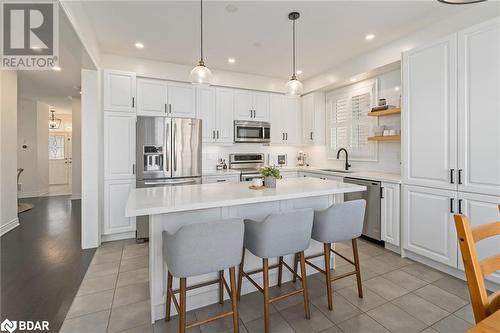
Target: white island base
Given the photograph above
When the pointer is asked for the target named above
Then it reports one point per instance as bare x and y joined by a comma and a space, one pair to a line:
177, 206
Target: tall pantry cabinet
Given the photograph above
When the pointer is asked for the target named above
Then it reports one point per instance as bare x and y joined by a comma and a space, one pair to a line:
451, 141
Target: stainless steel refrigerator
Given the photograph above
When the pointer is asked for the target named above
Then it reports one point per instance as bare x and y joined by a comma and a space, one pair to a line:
168, 154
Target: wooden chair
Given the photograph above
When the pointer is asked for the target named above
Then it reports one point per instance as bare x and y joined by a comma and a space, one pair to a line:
476, 270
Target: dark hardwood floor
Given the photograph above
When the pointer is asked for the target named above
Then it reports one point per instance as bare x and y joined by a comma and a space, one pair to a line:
42, 263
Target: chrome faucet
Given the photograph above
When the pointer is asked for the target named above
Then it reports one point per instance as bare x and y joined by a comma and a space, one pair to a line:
347, 165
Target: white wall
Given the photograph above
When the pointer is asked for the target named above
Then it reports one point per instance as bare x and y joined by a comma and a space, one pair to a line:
27, 158
76, 174
389, 153
42, 112
8, 156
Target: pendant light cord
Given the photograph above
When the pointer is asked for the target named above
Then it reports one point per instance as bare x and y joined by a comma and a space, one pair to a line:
293, 53
201, 31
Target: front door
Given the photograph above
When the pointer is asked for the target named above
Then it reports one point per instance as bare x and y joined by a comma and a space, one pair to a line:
59, 158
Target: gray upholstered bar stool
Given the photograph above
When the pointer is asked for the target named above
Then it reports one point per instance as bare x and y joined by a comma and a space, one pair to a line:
198, 249
278, 235
339, 222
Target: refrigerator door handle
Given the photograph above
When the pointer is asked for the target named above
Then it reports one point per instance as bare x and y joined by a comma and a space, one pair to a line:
174, 150
167, 153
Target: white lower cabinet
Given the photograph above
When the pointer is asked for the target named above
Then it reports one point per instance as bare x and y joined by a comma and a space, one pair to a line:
390, 213
233, 178
115, 199
481, 209
428, 225
320, 176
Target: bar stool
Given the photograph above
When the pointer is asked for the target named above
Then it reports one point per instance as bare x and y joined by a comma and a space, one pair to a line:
278, 235
198, 249
339, 222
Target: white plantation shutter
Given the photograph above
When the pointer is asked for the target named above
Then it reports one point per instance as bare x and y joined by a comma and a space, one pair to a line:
348, 121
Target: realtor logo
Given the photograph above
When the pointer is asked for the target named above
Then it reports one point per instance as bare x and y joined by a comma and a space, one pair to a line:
8, 326
30, 34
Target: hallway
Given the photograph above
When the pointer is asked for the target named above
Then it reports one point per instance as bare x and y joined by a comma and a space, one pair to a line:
42, 264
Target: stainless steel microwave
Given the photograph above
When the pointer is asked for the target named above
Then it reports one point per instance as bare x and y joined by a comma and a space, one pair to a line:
252, 131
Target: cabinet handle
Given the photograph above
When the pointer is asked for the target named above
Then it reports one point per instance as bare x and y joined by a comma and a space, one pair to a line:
169, 108
311, 135
213, 134
133, 169
459, 176
217, 134
251, 114
221, 180
452, 172
459, 206
381, 193
165, 107
286, 136
133, 102
451, 206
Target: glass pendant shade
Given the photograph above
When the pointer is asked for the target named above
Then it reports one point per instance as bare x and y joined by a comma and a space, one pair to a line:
201, 75
294, 87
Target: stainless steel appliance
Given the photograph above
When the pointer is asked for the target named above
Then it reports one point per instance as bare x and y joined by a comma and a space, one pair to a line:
168, 153
372, 195
248, 163
252, 131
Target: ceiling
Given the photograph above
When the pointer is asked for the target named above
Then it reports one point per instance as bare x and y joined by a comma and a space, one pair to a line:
57, 88
257, 33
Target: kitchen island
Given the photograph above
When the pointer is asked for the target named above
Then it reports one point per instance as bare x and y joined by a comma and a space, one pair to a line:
169, 208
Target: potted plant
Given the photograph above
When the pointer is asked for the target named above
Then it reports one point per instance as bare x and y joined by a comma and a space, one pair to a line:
270, 174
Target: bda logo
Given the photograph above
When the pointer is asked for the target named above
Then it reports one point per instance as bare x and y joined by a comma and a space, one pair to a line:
8, 325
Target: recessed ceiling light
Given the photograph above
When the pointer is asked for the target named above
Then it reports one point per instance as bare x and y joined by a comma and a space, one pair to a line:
369, 36
353, 79
396, 88
231, 60
299, 72
139, 45
56, 68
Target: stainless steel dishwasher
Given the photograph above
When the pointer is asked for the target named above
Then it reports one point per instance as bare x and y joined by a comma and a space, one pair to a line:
372, 195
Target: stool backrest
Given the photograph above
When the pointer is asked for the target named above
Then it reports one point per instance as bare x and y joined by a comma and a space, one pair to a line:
340, 221
477, 270
202, 248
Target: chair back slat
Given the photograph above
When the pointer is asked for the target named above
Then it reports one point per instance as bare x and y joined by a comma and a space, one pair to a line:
490, 265
485, 231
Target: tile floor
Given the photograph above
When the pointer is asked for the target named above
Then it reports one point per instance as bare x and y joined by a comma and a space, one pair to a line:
399, 296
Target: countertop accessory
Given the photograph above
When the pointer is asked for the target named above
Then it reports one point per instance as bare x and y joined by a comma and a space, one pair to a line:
301, 159
253, 187
270, 173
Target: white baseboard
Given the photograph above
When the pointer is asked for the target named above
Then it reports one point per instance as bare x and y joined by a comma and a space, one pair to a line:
76, 196
9, 226
120, 236
32, 194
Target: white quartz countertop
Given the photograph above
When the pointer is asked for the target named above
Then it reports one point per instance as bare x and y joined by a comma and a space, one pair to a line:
169, 199
370, 175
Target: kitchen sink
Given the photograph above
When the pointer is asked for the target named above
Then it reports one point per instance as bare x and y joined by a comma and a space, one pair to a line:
336, 170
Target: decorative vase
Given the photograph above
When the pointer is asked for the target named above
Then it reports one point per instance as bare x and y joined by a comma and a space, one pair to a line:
270, 182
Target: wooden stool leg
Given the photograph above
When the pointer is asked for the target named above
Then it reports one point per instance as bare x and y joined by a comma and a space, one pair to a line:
182, 306
328, 278
303, 273
221, 287
295, 264
280, 270
265, 273
169, 298
358, 269
234, 301
240, 273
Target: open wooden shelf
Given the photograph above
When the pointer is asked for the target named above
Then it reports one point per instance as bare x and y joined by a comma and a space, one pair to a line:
387, 112
385, 138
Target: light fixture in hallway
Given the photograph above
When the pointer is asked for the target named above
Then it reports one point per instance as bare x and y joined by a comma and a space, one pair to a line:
293, 87
201, 74
54, 123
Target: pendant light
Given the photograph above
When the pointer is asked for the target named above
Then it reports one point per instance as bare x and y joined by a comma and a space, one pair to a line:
201, 74
294, 86
54, 123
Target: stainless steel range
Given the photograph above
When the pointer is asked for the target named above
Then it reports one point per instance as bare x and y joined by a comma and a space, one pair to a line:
248, 164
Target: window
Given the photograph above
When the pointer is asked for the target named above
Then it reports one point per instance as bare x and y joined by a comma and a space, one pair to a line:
348, 122
56, 147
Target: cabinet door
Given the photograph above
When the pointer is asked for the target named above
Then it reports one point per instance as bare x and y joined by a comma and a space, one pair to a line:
291, 116
205, 105
151, 97
119, 91
260, 106
430, 115
181, 99
428, 223
481, 209
115, 200
390, 213
221, 179
224, 123
119, 146
277, 118
308, 119
243, 105
479, 108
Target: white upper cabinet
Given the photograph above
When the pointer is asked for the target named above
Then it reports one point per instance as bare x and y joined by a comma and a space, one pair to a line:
251, 105
151, 97
428, 227
390, 214
165, 98
119, 145
276, 117
479, 108
313, 118
205, 110
430, 115
224, 124
285, 119
119, 91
